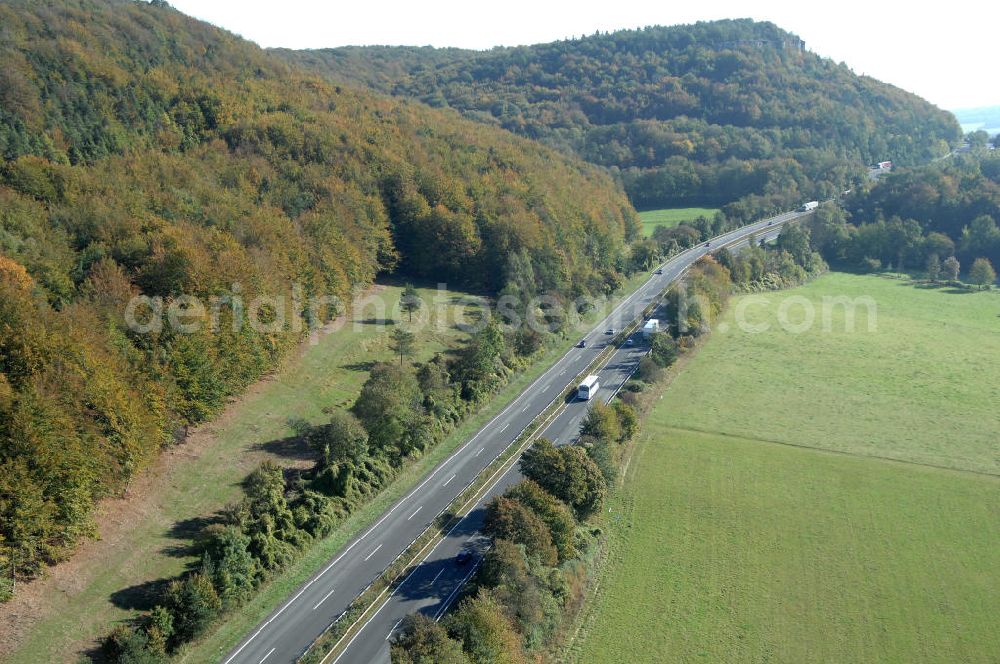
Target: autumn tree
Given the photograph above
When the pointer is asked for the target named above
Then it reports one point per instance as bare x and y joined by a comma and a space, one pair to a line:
982, 273
628, 419
425, 641
487, 636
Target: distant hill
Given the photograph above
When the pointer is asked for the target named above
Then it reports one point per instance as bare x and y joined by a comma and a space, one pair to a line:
148, 153
986, 118
694, 114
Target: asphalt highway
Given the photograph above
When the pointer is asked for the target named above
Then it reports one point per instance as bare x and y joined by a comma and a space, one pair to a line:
433, 585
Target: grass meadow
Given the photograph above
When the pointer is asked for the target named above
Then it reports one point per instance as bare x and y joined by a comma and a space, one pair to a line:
106, 580
144, 539
816, 497
671, 217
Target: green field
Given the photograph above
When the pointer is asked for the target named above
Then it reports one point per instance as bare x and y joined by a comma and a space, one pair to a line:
762, 518
671, 217
141, 538
198, 478
922, 387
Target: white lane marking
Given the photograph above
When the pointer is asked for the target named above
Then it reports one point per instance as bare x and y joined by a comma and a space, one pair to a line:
480, 451
503, 427
266, 656
437, 576
451, 597
449, 479
325, 597
414, 512
526, 408
627, 301
389, 635
373, 552
692, 252
358, 633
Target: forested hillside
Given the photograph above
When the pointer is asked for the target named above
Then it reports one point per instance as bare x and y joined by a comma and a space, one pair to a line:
699, 114
919, 218
148, 153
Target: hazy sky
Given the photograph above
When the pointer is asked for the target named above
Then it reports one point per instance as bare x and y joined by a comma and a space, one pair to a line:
946, 54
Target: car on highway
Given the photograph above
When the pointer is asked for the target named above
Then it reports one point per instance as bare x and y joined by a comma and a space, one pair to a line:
630, 342
582, 344
463, 558
610, 330
658, 272
770, 223
708, 244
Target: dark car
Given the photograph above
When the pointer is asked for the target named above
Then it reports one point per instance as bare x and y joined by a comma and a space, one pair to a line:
582, 344
629, 342
708, 244
770, 223
658, 272
463, 558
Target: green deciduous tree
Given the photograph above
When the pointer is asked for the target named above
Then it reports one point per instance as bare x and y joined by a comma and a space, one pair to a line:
568, 474
602, 422
233, 569
389, 406
556, 515
193, 603
663, 349
343, 438
512, 520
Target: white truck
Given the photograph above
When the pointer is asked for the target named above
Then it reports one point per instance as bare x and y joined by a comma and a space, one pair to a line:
807, 207
588, 388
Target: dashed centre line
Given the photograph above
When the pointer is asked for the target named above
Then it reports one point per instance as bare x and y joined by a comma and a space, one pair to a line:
325, 597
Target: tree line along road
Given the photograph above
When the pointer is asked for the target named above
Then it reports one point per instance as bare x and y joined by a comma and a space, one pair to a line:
286, 634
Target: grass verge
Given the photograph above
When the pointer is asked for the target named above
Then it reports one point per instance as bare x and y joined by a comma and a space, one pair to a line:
779, 531
241, 621
144, 536
672, 217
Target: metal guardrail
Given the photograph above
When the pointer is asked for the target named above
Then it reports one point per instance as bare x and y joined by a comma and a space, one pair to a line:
392, 576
